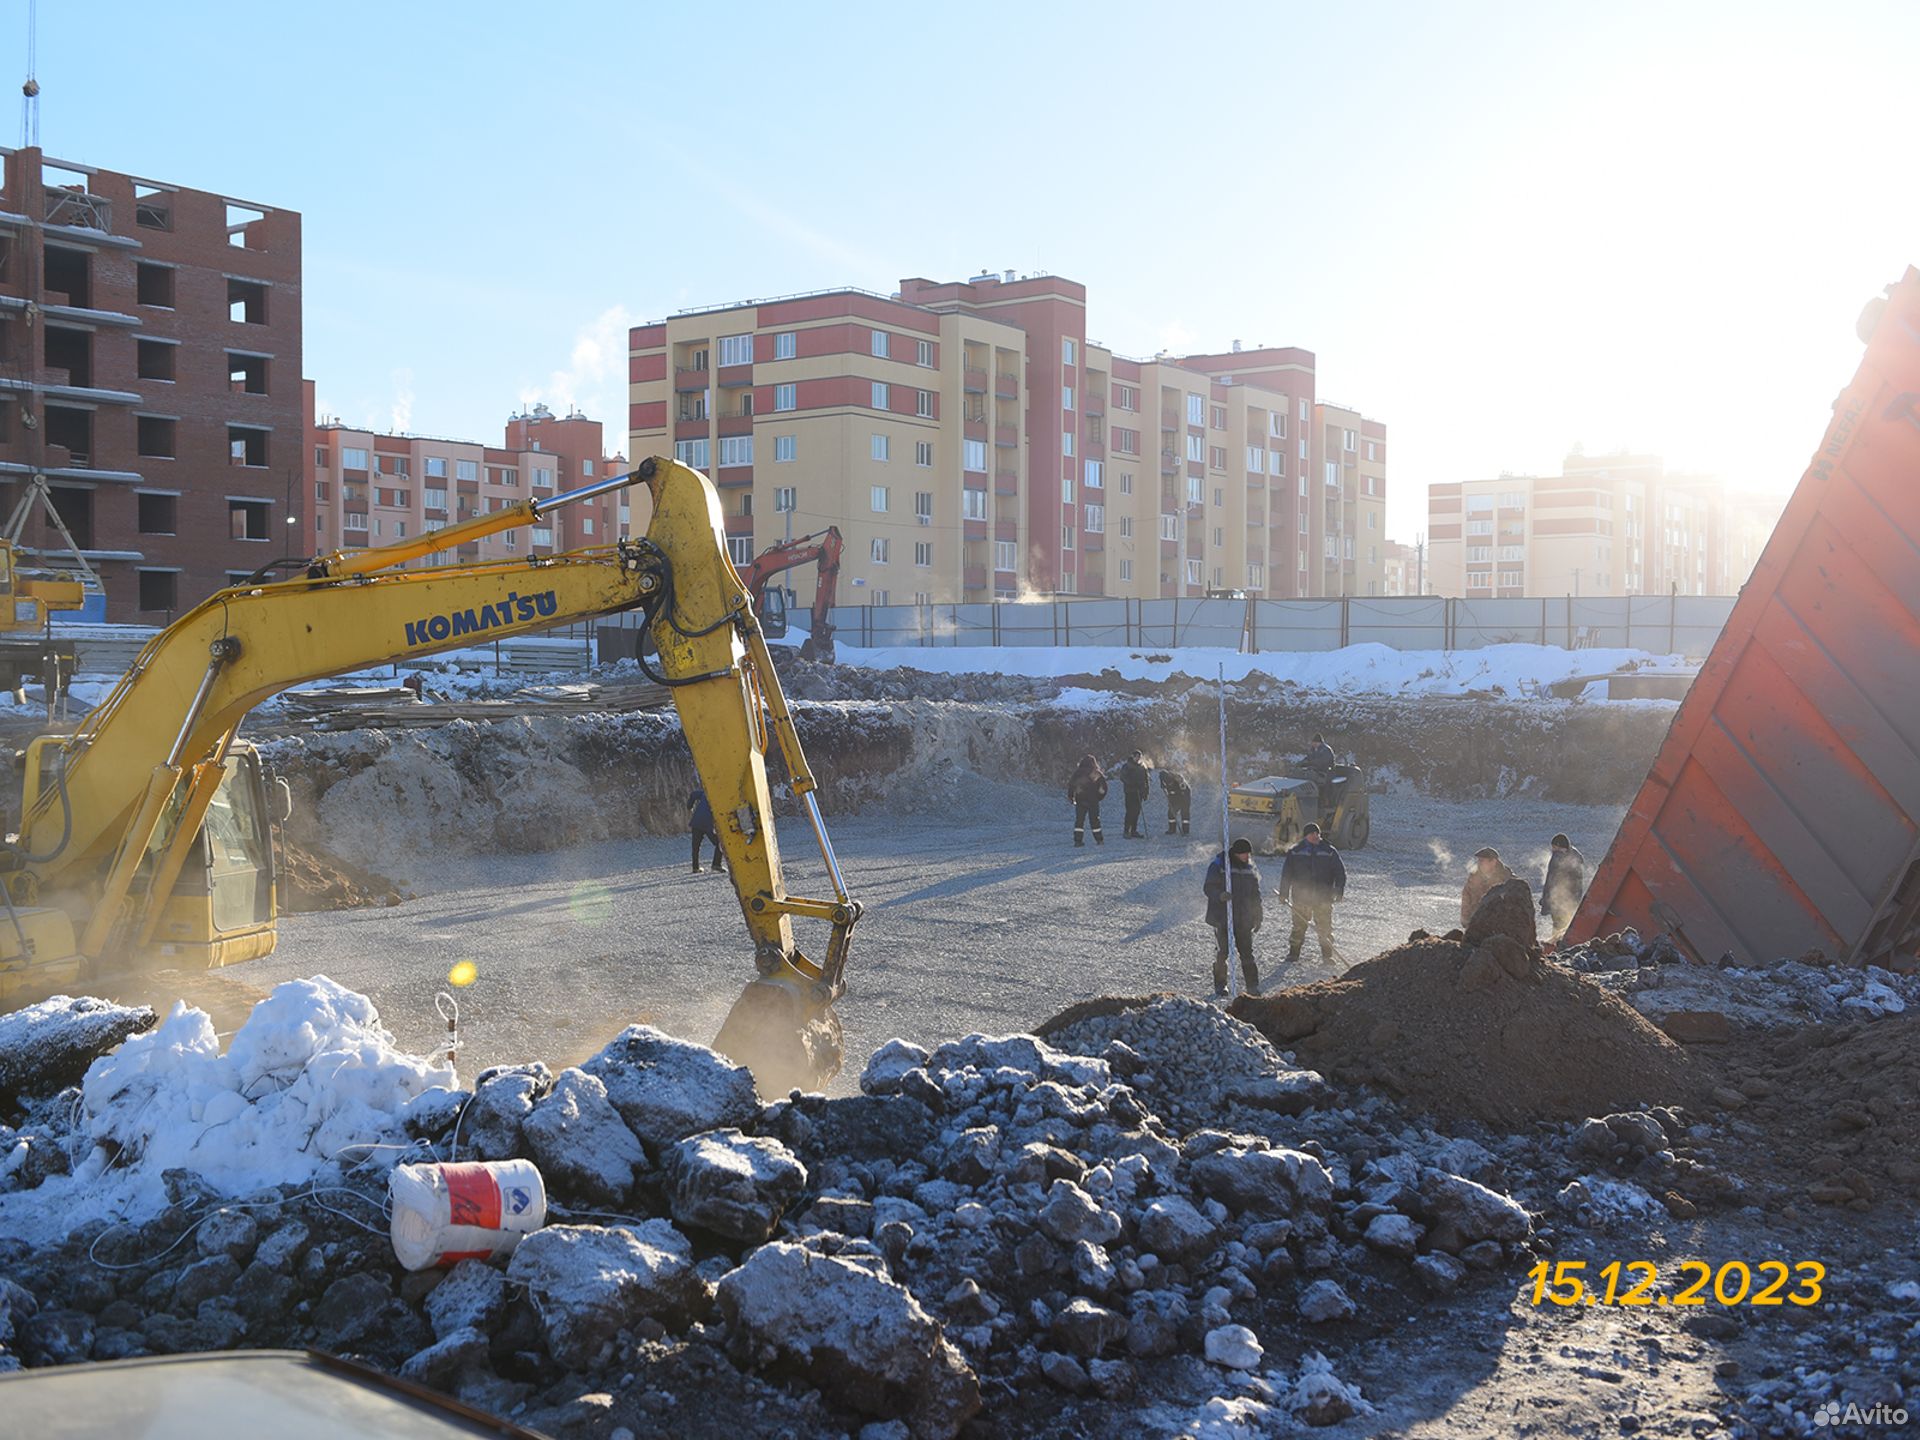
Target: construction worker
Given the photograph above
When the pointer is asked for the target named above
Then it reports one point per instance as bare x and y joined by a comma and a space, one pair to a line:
1086, 789
1488, 871
1247, 914
1319, 755
1565, 883
1136, 783
700, 823
1312, 879
1179, 802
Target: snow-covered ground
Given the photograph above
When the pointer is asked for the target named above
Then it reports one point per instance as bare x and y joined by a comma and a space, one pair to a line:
1356, 669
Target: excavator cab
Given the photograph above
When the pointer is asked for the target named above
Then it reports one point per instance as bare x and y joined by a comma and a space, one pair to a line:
772, 613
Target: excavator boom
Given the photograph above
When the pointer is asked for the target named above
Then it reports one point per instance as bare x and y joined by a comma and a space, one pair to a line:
110, 812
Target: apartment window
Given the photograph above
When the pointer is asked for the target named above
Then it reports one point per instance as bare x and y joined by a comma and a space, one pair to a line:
881, 398
1370, 451
1126, 397
1066, 352
880, 549
1257, 459
1066, 442
1479, 504
1196, 447
1216, 417
1196, 409
1256, 576
1216, 457
155, 360
355, 520
923, 354
1517, 500
1126, 570
154, 437
1303, 409
248, 519
1066, 397
158, 514
877, 497
1194, 572
1347, 547
1219, 496
470, 469
1126, 483
736, 350
784, 498
1094, 477
1066, 491
1513, 552
923, 506
1479, 527
1169, 527
923, 553
976, 455
1066, 537
784, 397
153, 286
880, 343
973, 504
923, 453
430, 499
1005, 554
880, 447
1196, 491
736, 450
694, 454
1373, 520
1219, 537
1126, 527
1303, 522
1303, 447
1277, 424
740, 549
159, 589
246, 302
1096, 520
1348, 436
436, 468
1482, 553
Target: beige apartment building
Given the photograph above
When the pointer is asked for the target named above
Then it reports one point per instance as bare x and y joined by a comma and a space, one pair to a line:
972, 443
1405, 567
1606, 525
1350, 479
370, 489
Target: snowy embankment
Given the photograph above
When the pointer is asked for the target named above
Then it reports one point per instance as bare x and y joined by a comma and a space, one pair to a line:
1356, 669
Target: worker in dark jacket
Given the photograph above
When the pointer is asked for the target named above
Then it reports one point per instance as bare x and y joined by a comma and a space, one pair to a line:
1136, 783
1319, 755
1312, 879
1488, 871
1565, 883
1086, 789
1247, 913
700, 823
1179, 802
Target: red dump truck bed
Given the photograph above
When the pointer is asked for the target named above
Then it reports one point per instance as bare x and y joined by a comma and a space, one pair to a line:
1781, 812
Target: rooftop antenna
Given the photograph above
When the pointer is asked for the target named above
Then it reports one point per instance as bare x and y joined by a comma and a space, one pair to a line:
30, 92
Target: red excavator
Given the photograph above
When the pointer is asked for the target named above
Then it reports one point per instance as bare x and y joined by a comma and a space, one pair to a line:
770, 603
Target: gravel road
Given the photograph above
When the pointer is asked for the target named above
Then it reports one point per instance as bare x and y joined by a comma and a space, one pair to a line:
979, 917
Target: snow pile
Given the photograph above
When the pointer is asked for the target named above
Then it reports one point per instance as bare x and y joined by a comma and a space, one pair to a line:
1354, 669
309, 1075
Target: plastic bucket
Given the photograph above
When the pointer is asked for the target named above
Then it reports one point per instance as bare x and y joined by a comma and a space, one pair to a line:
471, 1211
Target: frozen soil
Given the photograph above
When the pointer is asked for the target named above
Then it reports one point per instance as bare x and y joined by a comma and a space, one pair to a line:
980, 916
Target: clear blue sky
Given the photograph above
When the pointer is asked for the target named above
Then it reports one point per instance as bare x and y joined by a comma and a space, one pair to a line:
1504, 229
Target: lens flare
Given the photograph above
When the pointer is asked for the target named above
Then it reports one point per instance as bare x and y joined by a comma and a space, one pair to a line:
463, 974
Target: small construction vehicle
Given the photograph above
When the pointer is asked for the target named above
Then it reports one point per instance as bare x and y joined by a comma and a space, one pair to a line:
27, 598
770, 604
145, 838
1274, 811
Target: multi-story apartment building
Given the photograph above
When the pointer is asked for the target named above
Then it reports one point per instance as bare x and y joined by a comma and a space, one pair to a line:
1405, 567
1350, 486
367, 488
971, 442
1606, 525
149, 378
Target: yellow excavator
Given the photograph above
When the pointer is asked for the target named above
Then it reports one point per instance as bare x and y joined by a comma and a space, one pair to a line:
145, 836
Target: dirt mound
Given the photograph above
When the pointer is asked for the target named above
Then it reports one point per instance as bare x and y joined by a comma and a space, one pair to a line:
1099, 1008
1839, 1106
1487, 1032
316, 880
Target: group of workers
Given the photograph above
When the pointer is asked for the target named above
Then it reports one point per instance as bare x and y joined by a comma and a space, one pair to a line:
1087, 787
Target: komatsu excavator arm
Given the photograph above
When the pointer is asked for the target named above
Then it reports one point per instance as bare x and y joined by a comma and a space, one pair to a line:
111, 811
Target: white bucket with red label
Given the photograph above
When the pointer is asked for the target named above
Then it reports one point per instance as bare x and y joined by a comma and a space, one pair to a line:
471, 1211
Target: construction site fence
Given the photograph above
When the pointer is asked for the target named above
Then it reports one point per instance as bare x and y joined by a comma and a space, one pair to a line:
1664, 624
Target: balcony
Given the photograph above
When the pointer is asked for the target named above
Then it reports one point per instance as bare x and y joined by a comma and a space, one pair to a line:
1092, 404
974, 577
973, 529
732, 377
1006, 482
1006, 529
1169, 464
1007, 387
736, 424
732, 477
974, 381
692, 379
690, 429
1169, 419
1092, 542
739, 525
1006, 435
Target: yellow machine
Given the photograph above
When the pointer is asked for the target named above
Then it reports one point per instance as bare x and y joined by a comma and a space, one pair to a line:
145, 840
1273, 811
27, 598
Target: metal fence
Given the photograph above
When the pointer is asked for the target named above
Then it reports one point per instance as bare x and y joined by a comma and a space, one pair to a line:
1666, 624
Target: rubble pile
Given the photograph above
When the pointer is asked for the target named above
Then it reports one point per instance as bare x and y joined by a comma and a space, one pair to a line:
996, 1224
315, 880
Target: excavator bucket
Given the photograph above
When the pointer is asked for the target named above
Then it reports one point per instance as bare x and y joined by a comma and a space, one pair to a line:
1782, 813
786, 1032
